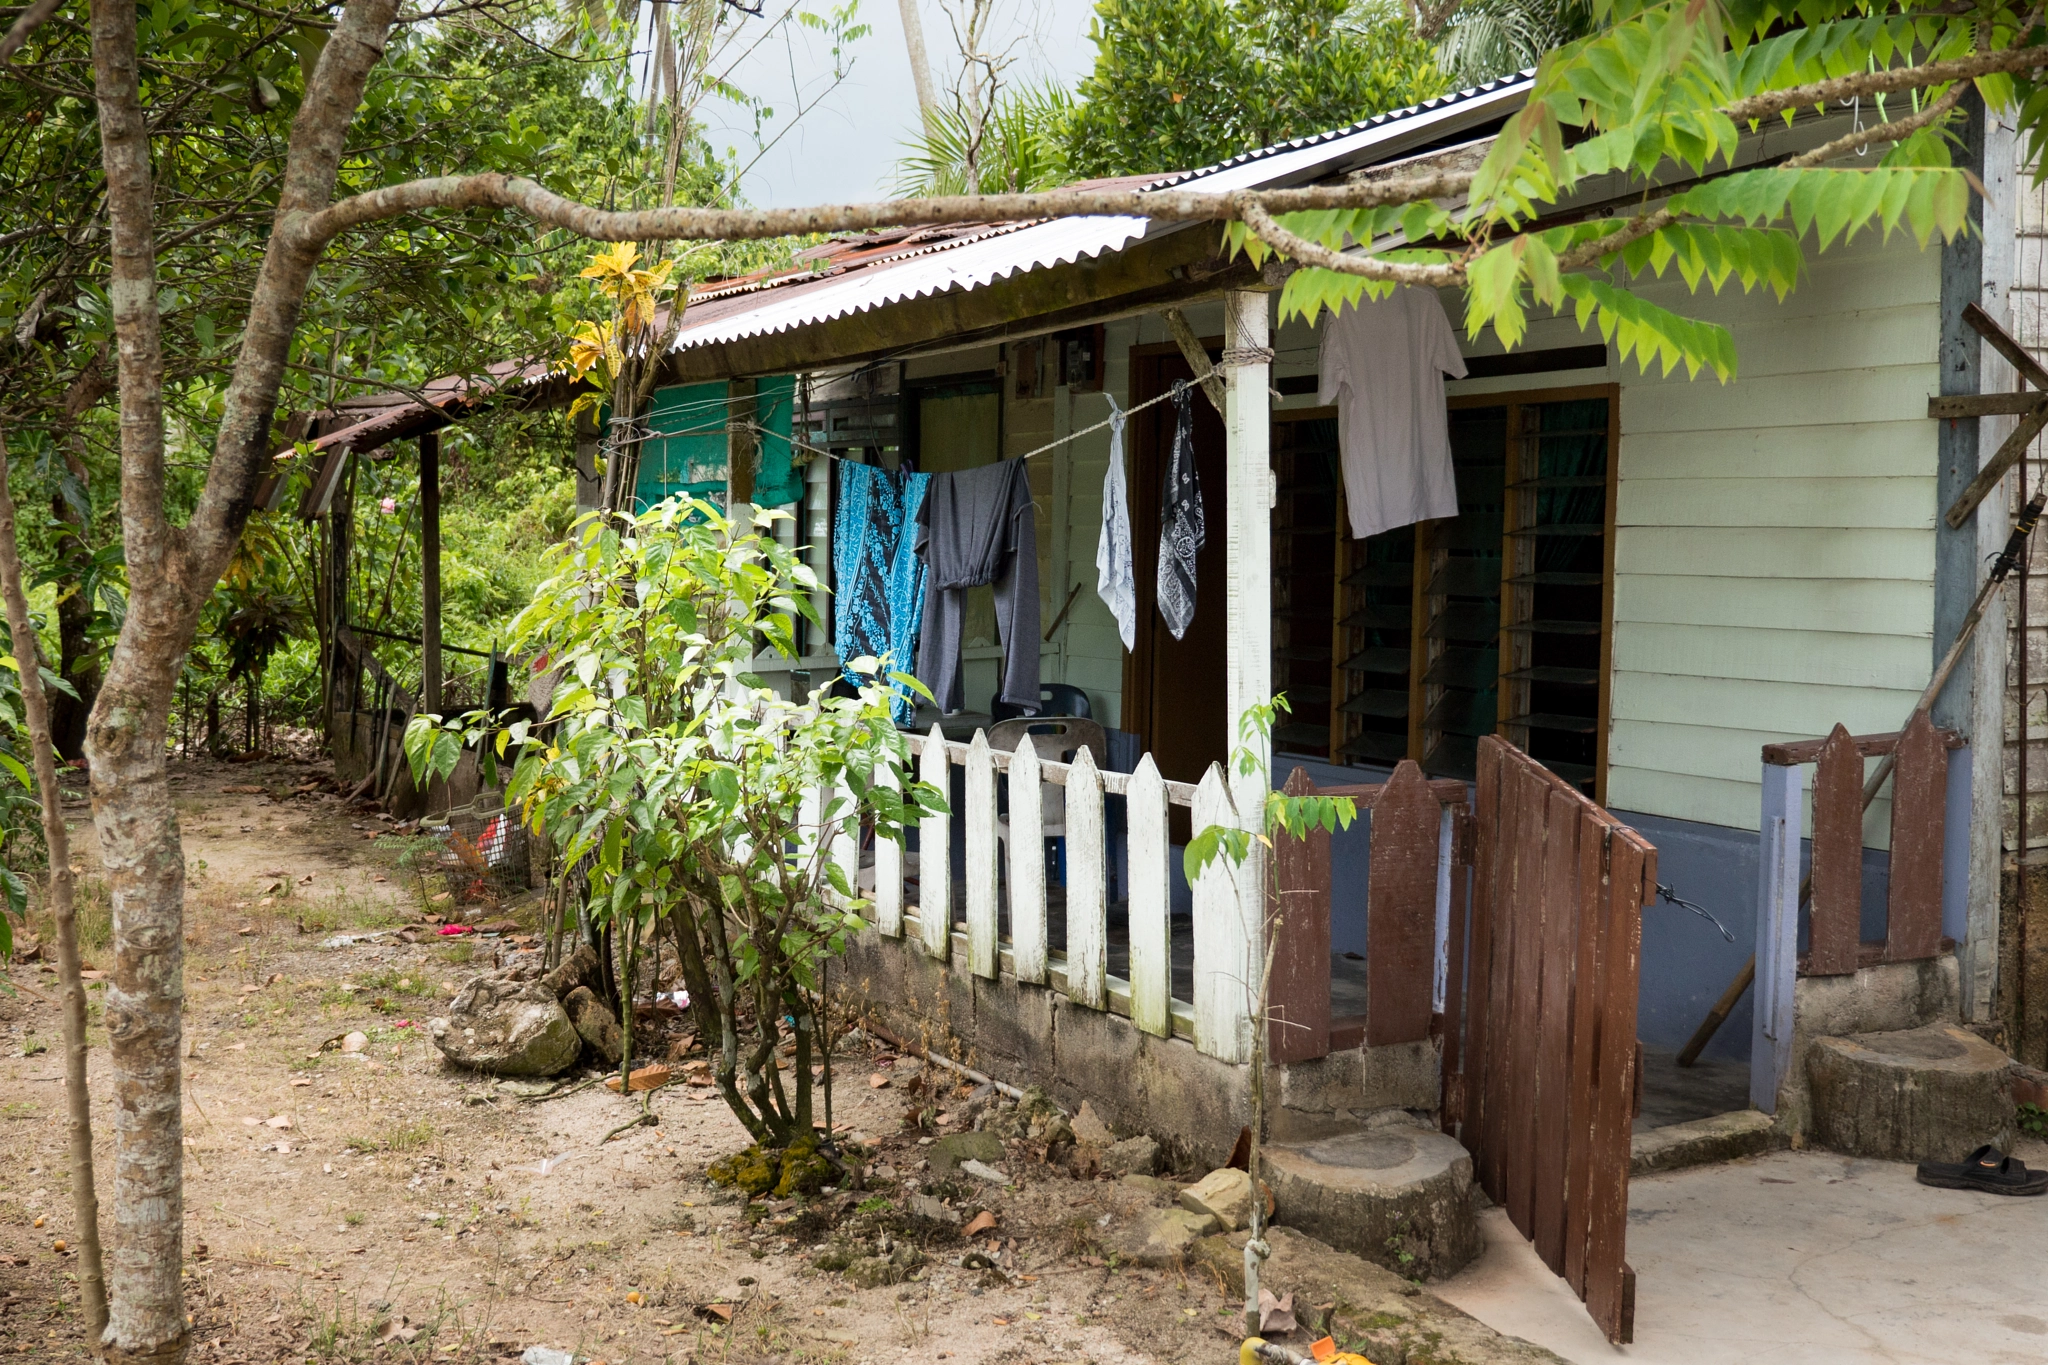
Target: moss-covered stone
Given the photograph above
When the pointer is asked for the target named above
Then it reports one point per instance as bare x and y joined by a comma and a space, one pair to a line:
754, 1171
836, 1257
798, 1169
804, 1169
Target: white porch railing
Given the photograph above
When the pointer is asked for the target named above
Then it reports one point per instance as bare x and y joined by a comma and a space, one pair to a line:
1226, 903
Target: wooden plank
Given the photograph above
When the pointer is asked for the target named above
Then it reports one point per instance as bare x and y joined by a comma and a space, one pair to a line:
809, 806
1551, 1155
1951, 406
1858, 606
1774, 552
844, 850
978, 809
1520, 919
889, 865
1878, 449
1738, 704
1590, 951
1813, 657
1150, 891
1876, 393
1631, 877
935, 853
1525, 913
1219, 995
1027, 864
1298, 985
1919, 810
1483, 1101
1400, 915
1842, 501
1464, 837
1087, 888
1869, 746
2016, 355
1837, 856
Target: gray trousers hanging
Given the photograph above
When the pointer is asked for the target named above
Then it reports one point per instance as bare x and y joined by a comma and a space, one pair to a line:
978, 527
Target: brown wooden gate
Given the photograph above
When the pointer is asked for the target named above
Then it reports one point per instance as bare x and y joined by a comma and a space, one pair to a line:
1541, 1074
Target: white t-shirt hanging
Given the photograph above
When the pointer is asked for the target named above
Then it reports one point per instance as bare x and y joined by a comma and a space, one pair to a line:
1383, 366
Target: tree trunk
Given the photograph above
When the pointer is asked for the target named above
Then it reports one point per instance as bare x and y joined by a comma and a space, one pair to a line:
85, 1204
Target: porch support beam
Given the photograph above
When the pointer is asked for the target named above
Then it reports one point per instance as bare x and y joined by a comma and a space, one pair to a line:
1247, 421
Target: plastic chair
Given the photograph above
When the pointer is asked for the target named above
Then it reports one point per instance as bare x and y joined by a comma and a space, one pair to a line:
1054, 699
1056, 739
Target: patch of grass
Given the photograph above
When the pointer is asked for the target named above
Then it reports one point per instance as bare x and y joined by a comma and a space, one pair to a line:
400, 1137
460, 952
2033, 1119
395, 981
20, 1109
352, 1218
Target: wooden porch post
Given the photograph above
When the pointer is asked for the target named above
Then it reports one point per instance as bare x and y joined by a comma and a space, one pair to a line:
1247, 422
430, 572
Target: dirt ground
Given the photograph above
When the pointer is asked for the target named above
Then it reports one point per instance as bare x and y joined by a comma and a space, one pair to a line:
385, 1206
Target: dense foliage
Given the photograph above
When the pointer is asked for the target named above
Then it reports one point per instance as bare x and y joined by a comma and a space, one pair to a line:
1179, 84
703, 805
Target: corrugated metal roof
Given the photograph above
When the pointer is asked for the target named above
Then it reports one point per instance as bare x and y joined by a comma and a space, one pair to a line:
877, 271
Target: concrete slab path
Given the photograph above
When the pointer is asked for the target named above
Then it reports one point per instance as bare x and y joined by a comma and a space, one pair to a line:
1793, 1257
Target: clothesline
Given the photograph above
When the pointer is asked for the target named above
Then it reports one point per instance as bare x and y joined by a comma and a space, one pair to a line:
1118, 415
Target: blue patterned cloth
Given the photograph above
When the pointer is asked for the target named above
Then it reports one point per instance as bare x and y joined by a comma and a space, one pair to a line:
877, 576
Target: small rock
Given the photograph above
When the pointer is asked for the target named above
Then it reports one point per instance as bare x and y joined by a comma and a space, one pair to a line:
982, 1172
1132, 1156
354, 1042
948, 1152
1091, 1131
1226, 1193
932, 1210
1162, 1237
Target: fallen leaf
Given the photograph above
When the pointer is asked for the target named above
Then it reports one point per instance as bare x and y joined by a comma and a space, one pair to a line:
878, 1080
721, 1311
281, 1122
982, 1222
1276, 1315
1001, 1322
238, 1047
302, 1081
92, 976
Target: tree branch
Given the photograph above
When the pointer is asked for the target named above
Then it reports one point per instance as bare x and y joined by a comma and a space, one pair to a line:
1886, 82
1368, 267
31, 19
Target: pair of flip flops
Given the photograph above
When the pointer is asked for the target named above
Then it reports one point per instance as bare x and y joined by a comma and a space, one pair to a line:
1986, 1169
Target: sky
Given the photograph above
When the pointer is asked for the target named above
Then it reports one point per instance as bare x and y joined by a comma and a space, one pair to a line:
845, 146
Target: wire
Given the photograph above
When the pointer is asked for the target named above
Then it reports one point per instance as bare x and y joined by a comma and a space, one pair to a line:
1671, 897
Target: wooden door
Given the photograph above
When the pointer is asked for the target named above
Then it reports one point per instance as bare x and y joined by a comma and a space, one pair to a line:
1541, 1072
1174, 695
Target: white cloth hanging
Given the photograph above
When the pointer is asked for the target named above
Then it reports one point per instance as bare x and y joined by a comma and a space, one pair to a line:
1383, 366
1116, 579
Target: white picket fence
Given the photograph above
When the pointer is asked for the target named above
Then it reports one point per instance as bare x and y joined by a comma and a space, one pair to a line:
1226, 901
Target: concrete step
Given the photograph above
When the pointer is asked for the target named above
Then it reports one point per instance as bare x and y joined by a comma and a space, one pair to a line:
1702, 1142
1397, 1193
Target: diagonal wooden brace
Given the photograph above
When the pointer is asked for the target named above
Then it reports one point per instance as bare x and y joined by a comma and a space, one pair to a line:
2031, 425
